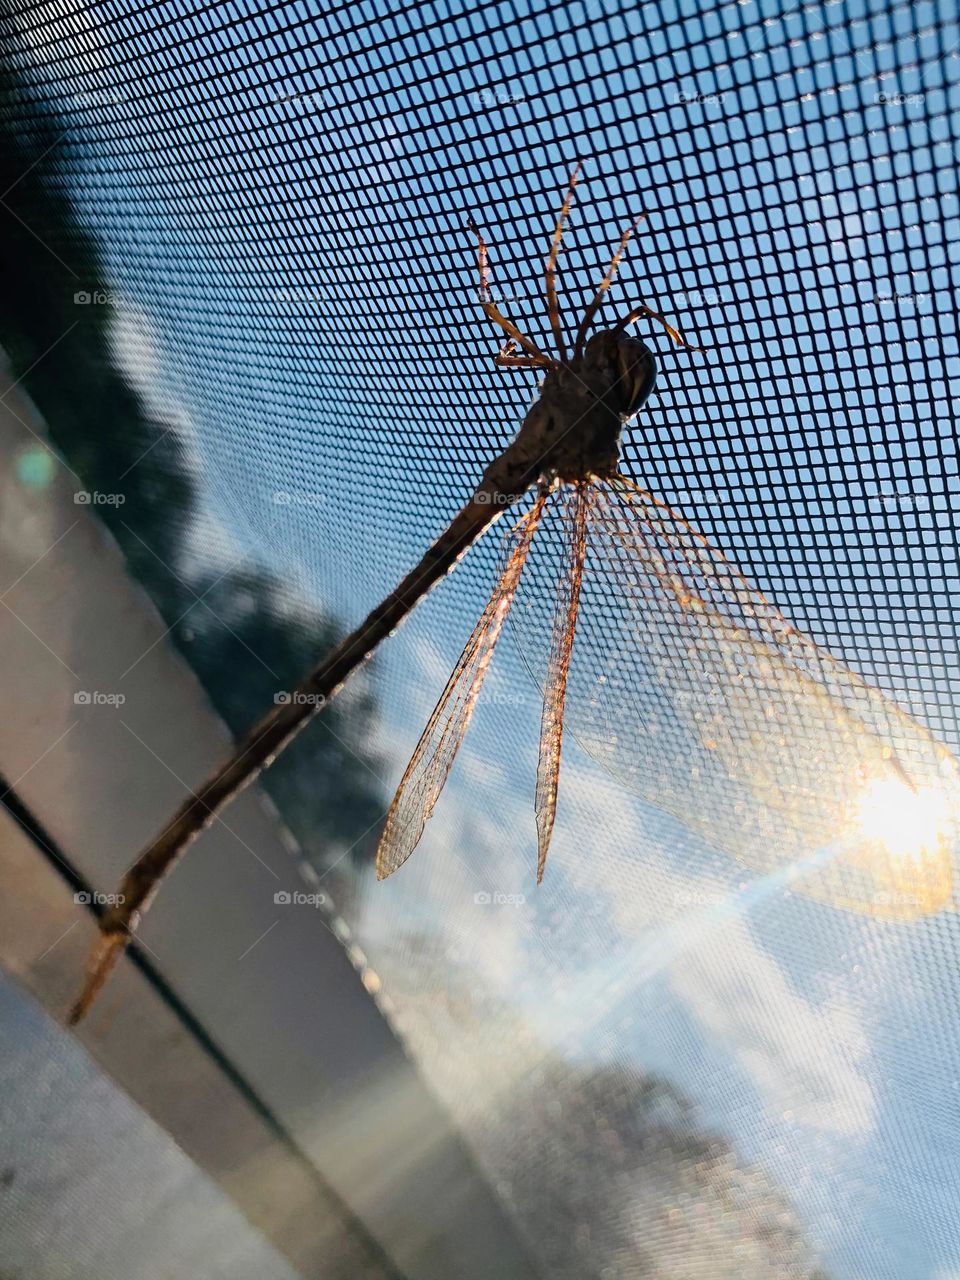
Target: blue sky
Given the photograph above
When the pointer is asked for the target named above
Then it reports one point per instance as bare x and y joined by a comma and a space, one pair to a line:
282, 205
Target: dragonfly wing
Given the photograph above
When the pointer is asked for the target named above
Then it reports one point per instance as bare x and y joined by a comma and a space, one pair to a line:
758, 738
558, 667
436, 751
695, 693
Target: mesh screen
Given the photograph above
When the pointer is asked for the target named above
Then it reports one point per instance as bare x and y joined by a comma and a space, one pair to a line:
666, 1065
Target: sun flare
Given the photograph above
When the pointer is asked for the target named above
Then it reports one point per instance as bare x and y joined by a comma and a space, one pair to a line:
910, 823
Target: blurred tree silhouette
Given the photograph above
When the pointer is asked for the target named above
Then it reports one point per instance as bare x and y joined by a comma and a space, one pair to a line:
662, 1197
325, 785
638, 1185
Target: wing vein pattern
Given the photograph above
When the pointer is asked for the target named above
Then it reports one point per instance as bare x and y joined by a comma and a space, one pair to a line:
569, 583
436, 751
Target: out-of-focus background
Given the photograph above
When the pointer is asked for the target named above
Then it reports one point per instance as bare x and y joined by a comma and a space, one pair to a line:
247, 381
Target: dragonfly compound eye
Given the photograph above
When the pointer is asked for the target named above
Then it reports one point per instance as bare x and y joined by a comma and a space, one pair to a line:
638, 372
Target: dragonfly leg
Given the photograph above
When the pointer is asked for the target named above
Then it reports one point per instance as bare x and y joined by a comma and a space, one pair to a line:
643, 310
492, 311
604, 285
553, 307
507, 361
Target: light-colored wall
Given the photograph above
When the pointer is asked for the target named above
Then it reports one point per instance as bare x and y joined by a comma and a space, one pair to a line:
271, 985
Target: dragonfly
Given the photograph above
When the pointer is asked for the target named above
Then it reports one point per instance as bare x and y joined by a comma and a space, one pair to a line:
683, 682
669, 667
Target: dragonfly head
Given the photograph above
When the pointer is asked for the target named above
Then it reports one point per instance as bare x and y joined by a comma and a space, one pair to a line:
628, 366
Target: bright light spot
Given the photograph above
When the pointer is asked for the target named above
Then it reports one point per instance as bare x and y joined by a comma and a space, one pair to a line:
34, 467
910, 824
371, 981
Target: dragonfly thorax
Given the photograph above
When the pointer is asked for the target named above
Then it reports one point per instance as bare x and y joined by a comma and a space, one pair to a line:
573, 430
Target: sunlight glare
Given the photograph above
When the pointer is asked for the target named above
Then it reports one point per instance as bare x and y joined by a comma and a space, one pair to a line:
911, 824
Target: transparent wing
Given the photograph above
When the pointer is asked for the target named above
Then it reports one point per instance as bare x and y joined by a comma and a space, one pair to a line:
561, 649
436, 751
699, 696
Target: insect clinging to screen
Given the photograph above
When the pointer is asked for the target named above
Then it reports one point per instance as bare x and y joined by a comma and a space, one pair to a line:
684, 682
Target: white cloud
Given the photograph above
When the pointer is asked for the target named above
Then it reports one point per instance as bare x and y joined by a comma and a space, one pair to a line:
803, 1056
804, 1059
136, 353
